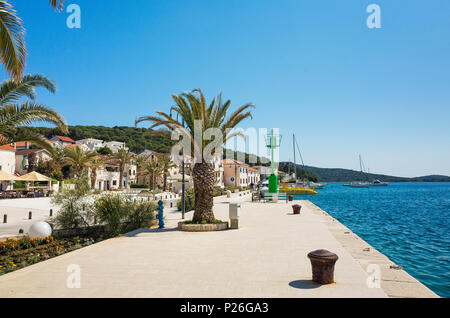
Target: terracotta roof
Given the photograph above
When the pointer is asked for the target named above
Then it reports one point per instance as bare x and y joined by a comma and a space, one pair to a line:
21, 144
65, 139
233, 162
7, 148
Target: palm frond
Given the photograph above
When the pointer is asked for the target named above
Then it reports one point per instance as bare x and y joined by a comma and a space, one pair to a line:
57, 4
11, 91
36, 139
12, 44
28, 113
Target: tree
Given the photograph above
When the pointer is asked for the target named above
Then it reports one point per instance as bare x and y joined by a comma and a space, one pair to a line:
95, 164
14, 113
152, 170
166, 164
124, 157
57, 4
79, 160
192, 107
13, 52
106, 151
54, 165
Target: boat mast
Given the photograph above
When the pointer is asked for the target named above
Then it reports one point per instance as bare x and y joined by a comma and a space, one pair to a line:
295, 163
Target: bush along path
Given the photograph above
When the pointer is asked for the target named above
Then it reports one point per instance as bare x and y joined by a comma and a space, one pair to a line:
116, 215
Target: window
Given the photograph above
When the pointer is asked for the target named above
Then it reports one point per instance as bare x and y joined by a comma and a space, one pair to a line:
114, 183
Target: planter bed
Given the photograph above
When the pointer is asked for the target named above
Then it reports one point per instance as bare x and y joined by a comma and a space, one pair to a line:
192, 227
14, 257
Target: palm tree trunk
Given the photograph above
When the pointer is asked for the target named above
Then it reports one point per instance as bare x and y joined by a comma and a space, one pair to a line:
93, 179
165, 181
204, 180
121, 177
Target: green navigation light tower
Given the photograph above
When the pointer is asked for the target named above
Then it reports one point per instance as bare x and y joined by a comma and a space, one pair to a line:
273, 141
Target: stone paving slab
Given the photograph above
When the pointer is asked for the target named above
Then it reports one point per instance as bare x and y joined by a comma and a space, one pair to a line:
266, 257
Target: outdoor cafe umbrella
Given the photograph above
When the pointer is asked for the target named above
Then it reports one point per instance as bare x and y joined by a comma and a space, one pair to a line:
4, 176
34, 177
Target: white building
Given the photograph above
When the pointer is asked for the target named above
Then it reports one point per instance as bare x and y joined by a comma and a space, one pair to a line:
90, 144
65, 141
115, 146
264, 172
7, 164
27, 158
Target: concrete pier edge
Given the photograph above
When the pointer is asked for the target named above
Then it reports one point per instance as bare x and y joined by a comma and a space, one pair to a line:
395, 281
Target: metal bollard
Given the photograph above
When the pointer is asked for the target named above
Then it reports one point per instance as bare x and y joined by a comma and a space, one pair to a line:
322, 262
5, 219
51, 212
161, 214
30, 215
296, 208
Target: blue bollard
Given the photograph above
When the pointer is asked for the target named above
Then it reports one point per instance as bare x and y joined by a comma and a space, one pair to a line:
161, 214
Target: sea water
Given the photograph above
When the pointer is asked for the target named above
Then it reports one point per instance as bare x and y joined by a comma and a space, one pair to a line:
408, 222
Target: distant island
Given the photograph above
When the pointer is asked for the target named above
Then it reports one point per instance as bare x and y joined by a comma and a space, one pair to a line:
347, 175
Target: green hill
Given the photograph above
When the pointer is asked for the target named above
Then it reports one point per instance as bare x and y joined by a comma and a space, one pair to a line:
346, 175
132, 136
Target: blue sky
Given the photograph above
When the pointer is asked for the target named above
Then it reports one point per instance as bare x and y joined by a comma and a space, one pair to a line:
312, 68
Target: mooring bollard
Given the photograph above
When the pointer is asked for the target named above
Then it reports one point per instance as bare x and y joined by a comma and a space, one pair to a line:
322, 262
5, 219
30, 215
161, 214
296, 208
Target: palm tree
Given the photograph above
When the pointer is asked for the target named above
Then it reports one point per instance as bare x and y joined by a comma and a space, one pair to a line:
57, 4
94, 165
166, 164
12, 43
13, 52
80, 161
124, 157
152, 170
191, 108
14, 113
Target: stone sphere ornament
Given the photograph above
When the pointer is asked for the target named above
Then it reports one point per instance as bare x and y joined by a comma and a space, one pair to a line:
40, 230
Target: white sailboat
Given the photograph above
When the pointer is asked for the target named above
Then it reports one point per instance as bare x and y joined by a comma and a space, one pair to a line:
359, 184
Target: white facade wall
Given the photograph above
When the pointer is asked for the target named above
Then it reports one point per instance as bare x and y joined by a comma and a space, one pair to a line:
8, 161
7, 164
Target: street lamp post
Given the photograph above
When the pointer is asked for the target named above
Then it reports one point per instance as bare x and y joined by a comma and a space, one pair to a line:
183, 186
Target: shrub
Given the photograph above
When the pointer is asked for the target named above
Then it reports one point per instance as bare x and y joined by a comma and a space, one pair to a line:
111, 210
219, 192
123, 214
139, 186
73, 205
189, 203
140, 214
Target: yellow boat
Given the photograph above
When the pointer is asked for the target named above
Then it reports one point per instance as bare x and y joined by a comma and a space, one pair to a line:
288, 189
